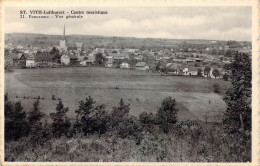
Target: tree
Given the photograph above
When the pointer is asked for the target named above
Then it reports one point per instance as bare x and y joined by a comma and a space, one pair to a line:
207, 70
128, 127
225, 76
35, 115
83, 112
95, 121
16, 124
199, 72
215, 73
216, 88
228, 53
157, 68
119, 114
34, 118
146, 118
100, 60
85, 107
167, 114
238, 97
61, 124
54, 50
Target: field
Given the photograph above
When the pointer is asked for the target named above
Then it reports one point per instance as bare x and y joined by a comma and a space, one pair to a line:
144, 91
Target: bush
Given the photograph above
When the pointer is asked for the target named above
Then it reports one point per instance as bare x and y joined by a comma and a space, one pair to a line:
96, 121
216, 88
119, 114
167, 114
36, 128
128, 127
16, 124
225, 77
146, 118
61, 124
53, 97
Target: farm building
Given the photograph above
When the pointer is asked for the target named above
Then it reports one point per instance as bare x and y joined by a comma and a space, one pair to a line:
30, 61
91, 58
192, 71
83, 63
73, 59
124, 65
141, 66
43, 59
79, 45
117, 56
173, 68
65, 60
109, 63
19, 60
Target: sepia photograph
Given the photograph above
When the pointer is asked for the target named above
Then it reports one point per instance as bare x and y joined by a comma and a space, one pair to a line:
127, 84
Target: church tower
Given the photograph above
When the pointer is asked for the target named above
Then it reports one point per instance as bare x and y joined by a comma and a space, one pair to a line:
64, 32
63, 41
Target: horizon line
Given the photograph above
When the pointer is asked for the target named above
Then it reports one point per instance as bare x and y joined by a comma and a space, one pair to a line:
127, 37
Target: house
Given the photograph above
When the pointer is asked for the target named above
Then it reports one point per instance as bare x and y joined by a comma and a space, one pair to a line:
192, 71
43, 59
173, 68
8, 60
185, 70
19, 47
141, 66
108, 57
65, 59
79, 45
30, 61
109, 63
73, 59
83, 63
196, 60
91, 58
19, 60
118, 56
124, 65
139, 57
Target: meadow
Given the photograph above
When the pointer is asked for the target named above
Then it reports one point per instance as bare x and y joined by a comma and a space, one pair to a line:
143, 90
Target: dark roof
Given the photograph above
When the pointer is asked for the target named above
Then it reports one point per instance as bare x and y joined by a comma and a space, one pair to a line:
73, 56
17, 56
43, 56
192, 69
140, 64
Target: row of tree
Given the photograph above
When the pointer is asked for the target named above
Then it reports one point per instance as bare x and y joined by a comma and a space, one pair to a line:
90, 119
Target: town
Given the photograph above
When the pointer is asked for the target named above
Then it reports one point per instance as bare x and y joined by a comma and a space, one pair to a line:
188, 59
129, 84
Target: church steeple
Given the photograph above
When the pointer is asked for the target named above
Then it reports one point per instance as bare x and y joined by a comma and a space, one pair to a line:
63, 40
64, 31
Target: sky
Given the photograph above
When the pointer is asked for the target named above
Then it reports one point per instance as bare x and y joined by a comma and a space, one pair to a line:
213, 23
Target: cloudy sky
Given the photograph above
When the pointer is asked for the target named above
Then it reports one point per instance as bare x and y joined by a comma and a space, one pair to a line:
214, 23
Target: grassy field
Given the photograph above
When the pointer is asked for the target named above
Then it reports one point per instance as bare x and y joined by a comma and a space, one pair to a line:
143, 90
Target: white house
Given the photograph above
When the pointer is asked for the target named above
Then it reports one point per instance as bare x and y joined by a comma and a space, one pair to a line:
91, 58
141, 66
79, 45
109, 63
192, 71
124, 65
19, 47
83, 63
65, 59
185, 71
118, 56
30, 61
